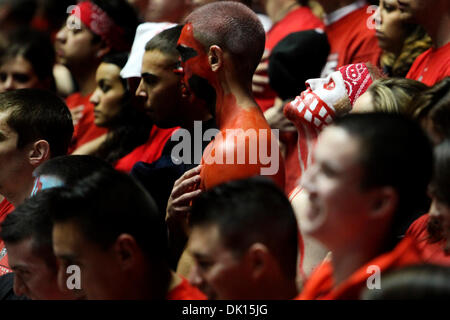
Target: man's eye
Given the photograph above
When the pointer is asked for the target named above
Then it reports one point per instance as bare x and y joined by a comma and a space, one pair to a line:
105, 88
3, 77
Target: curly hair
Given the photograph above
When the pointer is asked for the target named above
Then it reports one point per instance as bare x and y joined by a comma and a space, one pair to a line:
417, 42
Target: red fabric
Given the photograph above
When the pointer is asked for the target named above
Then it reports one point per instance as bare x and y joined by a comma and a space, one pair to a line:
84, 130
298, 20
357, 80
148, 152
101, 24
431, 66
185, 291
320, 285
351, 41
5, 208
432, 253
312, 111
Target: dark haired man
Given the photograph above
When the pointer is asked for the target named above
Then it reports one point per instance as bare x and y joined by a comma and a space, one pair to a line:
27, 233
362, 199
93, 29
244, 242
125, 258
35, 125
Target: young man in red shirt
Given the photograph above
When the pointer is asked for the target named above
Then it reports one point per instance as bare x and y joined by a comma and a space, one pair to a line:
125, 258
35, 125
362, 199
351, 33
434, 64
95, 28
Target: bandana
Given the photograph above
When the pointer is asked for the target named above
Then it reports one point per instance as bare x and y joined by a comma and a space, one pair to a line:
357, 79
98, 21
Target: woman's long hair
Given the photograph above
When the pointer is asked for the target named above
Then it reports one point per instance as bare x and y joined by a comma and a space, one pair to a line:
129, 129
416, 43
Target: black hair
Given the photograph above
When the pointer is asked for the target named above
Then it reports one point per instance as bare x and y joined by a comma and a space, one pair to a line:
107, 204
166, 41
36, 48
129, 129
396, 152
31, 220
71, 168
249, 211
38, 114
123, 15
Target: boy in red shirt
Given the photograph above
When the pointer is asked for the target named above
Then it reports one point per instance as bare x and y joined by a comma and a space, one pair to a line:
95, 28
360, 200
434, 64
35, 125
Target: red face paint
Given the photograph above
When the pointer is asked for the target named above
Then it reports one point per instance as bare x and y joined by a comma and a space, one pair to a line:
194, 59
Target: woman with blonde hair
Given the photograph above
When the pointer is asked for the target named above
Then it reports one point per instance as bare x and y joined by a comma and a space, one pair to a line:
392, 95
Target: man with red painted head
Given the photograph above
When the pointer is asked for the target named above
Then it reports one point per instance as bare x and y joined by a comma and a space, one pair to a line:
220, 46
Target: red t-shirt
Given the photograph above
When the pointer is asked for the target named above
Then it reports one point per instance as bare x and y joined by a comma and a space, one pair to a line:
297, 20
320, 285
148, 152
185, 291
5, 208
84, 128
431, 66
432, 253
351, 41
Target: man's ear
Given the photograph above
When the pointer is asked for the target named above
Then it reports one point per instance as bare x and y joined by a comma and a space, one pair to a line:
126, 250
384, 202
215, 58
39, 153
258, 259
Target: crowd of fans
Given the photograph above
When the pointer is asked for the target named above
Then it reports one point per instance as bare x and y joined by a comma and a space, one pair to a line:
211, 149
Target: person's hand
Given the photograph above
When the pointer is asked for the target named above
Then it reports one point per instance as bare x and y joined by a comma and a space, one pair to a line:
185, 189
261, 78
276, 118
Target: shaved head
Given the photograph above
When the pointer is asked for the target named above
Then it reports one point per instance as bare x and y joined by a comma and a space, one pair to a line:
233, 27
